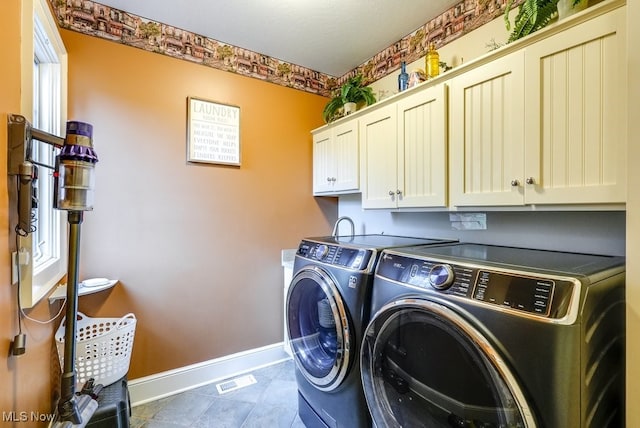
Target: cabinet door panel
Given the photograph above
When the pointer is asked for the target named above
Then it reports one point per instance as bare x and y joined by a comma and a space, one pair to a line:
422, 149
336, 159
379, 158
322, 162
486, 134
576, 119
347, 171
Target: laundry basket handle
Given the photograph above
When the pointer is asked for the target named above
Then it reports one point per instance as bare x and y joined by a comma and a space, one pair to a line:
79, 317
121, 321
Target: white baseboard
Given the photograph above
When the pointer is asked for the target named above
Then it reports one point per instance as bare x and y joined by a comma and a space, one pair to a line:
164, 384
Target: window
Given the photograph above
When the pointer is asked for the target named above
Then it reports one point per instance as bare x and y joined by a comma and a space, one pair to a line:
46, 117
47, 262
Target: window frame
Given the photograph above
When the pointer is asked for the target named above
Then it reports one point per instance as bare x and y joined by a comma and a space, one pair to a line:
41, 40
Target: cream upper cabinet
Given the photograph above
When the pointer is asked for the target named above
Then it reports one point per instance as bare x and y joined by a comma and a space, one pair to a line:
422, 148
336, 159
540, 122
379, 158
544, 124
575, 114
486, 131
404, 152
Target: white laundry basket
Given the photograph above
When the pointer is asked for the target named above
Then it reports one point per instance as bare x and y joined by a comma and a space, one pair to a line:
103, 347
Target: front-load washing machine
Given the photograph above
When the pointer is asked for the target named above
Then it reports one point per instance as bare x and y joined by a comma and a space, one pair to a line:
467, 335
327, 308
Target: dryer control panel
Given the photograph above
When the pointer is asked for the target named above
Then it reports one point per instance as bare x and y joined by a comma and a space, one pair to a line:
521, 291
335, 255
528, 294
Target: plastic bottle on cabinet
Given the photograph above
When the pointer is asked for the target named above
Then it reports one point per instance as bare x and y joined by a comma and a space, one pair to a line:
403, 77
432, 60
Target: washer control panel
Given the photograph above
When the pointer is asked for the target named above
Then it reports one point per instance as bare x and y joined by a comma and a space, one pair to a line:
431, 275
336, 255
520, 291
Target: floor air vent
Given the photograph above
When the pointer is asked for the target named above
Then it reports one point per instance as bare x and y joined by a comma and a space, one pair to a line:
236, 383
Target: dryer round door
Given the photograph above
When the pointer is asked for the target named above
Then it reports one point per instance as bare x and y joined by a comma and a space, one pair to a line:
423, 365
318, 328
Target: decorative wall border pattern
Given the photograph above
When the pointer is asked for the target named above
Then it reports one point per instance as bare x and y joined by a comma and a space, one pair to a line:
95, 19
455, 22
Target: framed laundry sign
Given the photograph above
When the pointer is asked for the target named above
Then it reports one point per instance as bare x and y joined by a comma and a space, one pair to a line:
213, 132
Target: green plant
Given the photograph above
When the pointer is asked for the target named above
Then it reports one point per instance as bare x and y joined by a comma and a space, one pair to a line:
352, 91
532, 16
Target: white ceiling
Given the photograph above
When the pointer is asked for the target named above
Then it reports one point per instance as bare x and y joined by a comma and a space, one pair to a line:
330, 36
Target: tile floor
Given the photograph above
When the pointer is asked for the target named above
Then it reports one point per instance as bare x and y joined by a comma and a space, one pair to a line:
271, 402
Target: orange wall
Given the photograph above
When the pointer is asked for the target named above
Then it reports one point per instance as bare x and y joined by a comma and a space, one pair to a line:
196, 247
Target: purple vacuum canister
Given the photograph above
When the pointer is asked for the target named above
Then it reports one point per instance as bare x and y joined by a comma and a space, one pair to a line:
76, 168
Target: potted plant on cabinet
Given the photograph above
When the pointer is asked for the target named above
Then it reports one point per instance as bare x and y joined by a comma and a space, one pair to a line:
532, 16
346, 98
536, 14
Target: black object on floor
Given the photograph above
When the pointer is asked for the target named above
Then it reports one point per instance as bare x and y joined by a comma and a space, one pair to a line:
114, 407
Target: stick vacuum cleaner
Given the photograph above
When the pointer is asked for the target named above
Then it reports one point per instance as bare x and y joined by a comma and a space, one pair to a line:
73, 192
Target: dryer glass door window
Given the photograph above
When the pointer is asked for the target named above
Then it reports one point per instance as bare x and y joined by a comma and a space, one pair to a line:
425, 366
318, 328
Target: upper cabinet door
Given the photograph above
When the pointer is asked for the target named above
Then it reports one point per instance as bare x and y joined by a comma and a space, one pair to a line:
486, 129
422, 149
336, 159
378, 158
346, 157
576, 114
323, 165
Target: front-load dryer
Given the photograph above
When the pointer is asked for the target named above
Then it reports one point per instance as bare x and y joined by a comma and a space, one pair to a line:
327, 307
468, 335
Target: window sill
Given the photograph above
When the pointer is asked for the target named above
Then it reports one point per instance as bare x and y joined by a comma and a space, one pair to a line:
61, 292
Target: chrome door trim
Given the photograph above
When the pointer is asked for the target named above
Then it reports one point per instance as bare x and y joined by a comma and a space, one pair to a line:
480, 341
339, 371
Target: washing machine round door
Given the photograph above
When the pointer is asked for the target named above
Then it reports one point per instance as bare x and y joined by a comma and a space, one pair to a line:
423, 365
318, 328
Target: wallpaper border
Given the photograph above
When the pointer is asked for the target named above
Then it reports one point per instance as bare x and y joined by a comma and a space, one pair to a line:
95, 19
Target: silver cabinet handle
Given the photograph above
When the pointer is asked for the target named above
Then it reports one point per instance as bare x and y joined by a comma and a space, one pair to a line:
398, 192
328, 179
515, 183
333, 179
391, 193
530, 180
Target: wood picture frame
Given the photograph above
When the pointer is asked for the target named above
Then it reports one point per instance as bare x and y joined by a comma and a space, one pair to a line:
213, 132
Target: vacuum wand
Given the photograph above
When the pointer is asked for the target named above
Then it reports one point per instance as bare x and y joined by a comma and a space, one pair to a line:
68, 406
